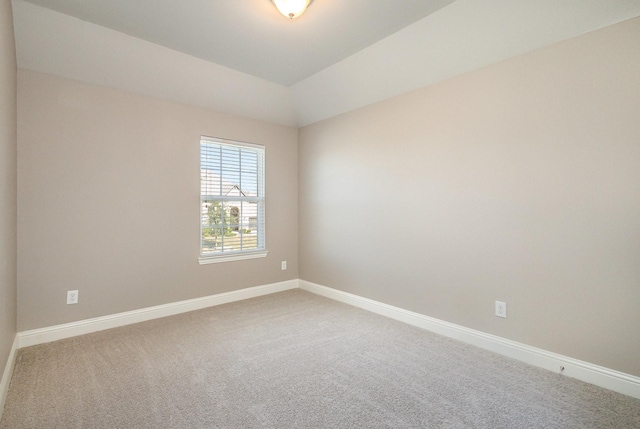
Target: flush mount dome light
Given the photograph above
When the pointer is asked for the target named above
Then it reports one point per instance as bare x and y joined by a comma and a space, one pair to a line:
292, 8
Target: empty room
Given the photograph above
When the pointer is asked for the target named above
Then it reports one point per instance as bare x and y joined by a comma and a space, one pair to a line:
319, 214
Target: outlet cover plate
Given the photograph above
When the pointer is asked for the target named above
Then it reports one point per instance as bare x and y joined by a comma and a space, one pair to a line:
501, 309
72, 297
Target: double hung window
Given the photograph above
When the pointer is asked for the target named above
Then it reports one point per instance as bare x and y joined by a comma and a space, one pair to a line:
232, 200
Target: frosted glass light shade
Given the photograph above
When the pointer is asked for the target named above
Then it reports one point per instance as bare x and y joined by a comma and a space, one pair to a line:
291, 8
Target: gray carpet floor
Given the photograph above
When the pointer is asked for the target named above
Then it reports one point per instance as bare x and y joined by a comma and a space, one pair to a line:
292, 360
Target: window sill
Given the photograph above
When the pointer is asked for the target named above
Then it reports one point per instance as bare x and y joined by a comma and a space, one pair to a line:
203, 260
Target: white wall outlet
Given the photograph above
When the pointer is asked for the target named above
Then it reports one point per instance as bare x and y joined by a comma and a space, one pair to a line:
501, 309
284, 265
72, 297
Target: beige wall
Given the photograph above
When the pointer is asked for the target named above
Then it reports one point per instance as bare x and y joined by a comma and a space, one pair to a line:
7, 183
519, 182
108, 197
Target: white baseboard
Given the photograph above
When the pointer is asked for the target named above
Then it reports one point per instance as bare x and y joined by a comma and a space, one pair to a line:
87, 326
6, 375
600, 376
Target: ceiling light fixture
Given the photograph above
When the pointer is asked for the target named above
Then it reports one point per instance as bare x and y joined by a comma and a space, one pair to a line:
292, 8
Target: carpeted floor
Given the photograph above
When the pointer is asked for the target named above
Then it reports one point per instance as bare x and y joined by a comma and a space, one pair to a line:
292, 360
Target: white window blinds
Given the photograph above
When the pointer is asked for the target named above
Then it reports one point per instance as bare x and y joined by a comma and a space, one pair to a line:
232, 197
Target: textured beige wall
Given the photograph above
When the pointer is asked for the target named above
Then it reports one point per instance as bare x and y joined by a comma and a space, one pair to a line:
7, 183
519, 182
108, 197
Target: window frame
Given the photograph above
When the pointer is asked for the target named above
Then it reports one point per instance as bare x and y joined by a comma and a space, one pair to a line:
237, 255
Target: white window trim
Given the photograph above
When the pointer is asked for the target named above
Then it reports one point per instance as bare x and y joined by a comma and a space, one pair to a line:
204, 260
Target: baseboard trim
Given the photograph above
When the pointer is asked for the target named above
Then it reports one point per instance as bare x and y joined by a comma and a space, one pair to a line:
6, 375
87, 326
600, 376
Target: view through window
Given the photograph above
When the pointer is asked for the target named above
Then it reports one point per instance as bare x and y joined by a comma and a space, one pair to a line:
231, 197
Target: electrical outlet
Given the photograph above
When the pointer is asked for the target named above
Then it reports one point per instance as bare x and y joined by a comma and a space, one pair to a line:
72, 297
501, 309
284, 265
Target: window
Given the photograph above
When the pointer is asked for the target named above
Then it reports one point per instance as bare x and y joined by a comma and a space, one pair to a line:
231, 200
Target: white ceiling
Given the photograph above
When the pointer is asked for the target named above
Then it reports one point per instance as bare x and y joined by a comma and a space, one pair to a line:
251, 36
242, 57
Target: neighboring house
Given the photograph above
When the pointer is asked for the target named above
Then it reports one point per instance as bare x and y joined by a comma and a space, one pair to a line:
244, 214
